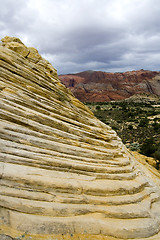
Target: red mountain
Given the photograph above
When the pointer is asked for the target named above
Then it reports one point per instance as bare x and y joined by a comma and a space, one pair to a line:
96, 86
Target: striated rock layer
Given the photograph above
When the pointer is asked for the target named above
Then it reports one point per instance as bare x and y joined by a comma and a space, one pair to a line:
96, 86
62, 171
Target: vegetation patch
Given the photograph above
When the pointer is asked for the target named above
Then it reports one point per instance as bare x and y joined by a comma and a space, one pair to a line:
136, 121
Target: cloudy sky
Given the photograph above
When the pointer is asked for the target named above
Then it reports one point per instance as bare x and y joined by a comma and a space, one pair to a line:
78, 35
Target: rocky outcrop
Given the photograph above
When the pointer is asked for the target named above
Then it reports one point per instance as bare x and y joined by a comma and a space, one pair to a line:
63, 173
92, 86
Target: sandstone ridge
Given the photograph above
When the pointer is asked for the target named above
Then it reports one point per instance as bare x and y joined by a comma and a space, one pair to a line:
63, 173
97, 86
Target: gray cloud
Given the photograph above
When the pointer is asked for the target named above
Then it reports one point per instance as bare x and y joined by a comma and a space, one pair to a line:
107, 35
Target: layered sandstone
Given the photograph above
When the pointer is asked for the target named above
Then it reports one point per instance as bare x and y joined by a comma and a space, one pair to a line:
92, 86
63, 173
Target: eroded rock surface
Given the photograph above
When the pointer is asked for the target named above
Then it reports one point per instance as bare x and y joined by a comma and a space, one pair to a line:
62, 171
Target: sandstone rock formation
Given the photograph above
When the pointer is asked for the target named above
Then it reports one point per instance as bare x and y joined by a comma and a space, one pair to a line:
92, 86
63, 173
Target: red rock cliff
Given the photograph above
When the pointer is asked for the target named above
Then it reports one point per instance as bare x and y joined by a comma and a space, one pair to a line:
96, 86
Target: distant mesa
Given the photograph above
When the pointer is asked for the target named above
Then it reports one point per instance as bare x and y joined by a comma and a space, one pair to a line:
63, 173
96, 86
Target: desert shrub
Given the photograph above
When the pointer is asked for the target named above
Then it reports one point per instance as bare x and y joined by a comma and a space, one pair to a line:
114, 106
157, 154
156, 126
115, 128
130, 127
98, 108
148, 147
119, 121
153, 112
143, 122
134, 146
157, 157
